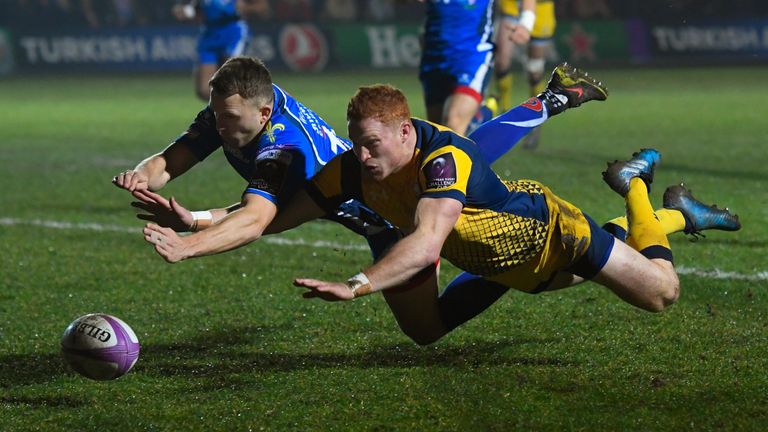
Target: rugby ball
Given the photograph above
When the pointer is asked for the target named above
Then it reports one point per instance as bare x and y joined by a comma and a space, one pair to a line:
100, 346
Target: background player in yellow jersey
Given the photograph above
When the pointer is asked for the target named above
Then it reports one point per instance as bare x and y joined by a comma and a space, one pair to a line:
435, 186
522, 22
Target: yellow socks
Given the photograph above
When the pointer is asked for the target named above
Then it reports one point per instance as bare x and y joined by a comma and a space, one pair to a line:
504, 86
646, 232
538, 87
671, 221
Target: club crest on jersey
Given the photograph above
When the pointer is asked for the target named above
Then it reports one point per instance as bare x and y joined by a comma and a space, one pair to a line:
271, 129
533, 104
440, 172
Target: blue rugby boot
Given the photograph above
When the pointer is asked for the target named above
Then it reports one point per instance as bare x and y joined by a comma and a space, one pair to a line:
699, 216
570, 87
642, 164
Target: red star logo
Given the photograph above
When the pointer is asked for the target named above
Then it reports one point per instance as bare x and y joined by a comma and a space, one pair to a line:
580, 44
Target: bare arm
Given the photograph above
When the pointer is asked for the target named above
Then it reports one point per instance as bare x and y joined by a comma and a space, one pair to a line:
435, 218
157, 170
170, 213
299, 210
520, 33
238, 228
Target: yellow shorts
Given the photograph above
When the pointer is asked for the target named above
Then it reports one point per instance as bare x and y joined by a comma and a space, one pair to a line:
544, 27
568, 240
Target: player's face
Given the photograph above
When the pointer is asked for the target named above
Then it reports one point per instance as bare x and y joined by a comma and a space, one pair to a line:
238, 120
380, 147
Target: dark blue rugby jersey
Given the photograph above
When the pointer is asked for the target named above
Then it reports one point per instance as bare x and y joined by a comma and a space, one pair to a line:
444, 164
502, 224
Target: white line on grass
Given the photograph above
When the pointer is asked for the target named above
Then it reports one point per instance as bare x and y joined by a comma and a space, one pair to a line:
708, 274
123, 229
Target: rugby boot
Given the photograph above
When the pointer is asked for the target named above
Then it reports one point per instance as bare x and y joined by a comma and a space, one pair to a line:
699, 216
642, 164
570, 87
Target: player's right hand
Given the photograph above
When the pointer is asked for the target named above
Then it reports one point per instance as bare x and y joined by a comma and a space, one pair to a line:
166, 213
518, 34
131, 180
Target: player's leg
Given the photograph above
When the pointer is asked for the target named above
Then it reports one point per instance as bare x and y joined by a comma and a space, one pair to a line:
640, 279
436, 87
639, 271
459, 109
537, 51
203, 73
502, 64
466, 297
206, 66
415, 308
568, 87
682, 212
413, 305
470, 75
225, 43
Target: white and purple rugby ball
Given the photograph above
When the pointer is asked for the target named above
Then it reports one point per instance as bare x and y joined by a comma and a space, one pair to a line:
100, 346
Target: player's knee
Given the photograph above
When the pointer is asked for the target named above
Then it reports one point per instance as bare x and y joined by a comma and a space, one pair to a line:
536, 66
535, 69
424, 338
423, 335
665, 295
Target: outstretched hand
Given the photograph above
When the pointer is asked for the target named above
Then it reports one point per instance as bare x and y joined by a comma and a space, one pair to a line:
328, 291
161, 211
131, 181
168, 244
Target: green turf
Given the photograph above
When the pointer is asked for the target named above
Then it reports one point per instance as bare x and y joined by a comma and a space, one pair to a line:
228, 344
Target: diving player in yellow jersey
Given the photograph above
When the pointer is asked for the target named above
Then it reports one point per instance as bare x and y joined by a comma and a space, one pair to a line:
523, 22
438, 189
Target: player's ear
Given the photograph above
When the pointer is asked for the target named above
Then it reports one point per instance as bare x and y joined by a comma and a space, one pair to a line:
406, 129
265, 112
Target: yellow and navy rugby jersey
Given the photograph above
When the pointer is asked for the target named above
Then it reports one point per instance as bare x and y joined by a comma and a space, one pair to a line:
502, 225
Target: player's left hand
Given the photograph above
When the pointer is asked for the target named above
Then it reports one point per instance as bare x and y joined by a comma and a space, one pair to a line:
167, 213
517, 34
168, 244
328, 291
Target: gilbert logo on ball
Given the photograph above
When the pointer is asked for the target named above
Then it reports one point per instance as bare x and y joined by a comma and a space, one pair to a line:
100, 346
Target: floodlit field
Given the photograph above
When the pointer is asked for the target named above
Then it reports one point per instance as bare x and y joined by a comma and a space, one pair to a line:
228, 344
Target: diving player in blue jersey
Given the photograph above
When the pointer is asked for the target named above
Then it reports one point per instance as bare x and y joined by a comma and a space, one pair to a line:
435, 185
223, 34
569, 88
274, 142
456, 60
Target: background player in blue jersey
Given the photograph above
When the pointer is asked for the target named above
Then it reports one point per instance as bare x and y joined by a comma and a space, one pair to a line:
436, 186
528, 23
456, 60
273, 141
223, 33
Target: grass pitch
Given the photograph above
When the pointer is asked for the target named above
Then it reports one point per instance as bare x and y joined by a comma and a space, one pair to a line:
228, 344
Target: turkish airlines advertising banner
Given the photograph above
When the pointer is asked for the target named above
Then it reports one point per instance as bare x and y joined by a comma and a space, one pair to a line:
305, 47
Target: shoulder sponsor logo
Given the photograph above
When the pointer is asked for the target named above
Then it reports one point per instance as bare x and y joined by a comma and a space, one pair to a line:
440, 172
303, 47
271, 129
